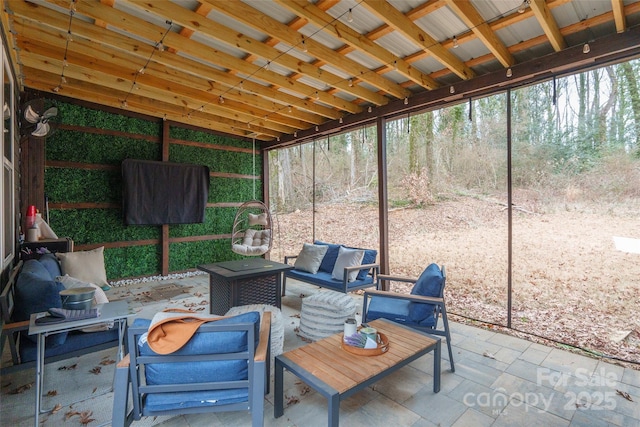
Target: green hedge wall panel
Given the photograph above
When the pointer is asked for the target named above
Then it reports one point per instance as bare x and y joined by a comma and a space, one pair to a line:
188, 255
82, 185
216, 160
132, 261
233, 190
86, 226
216, 221
70, 146
82, 116
199, 136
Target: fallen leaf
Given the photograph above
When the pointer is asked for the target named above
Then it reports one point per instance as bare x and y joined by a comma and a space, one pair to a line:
489, 355
85, 417
70, 414
56, 408
292, 400
305, 390
107, 362
624, 394
96, 370
52, 393
68, 368
94, 390
21, 389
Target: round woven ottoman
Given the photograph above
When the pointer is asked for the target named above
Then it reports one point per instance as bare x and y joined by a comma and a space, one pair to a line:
324, 313
277, 324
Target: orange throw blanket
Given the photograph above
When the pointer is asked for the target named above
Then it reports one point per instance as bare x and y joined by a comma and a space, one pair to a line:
172, 328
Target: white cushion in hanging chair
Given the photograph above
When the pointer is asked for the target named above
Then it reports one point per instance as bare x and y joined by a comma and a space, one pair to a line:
255, 242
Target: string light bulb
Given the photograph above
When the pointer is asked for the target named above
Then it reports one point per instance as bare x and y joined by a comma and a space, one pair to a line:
317, 95
141, 70
455, 42
369, 109
406, 101
221, 99
350, 82
340, 120
509, 72
523, 6
350, 16
586, 48
304, 46
56, 89
452, 89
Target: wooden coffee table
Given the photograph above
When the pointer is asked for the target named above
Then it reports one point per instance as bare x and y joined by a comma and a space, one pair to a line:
337, 374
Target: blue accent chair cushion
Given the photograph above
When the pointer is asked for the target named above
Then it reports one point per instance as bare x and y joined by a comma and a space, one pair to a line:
429, 284
193, 372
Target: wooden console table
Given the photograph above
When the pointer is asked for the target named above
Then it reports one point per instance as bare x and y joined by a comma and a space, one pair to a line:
244, 282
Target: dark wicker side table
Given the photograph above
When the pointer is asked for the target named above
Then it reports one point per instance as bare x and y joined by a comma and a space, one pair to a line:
243, 282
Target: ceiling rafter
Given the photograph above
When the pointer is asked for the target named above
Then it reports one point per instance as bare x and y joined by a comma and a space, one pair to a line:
202, 25
350, 37
400, 23
215, 75
143, 29
548, 24
286, 34
470, 16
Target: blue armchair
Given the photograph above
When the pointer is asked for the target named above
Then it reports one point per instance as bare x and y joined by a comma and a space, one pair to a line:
223, 367
420, 310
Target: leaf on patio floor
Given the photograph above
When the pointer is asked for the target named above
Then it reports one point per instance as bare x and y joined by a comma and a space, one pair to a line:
56, 408
581, 405
96, 371
624, 394
106, 362
292, 400
70, 414
52, 393
68, 368
489, 355
85, 417
21, 389
306, 389
94, 390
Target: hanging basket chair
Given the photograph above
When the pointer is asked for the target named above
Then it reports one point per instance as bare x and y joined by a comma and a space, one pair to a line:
252, 229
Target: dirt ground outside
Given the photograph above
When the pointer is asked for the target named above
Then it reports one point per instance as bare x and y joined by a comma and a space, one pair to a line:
569, 282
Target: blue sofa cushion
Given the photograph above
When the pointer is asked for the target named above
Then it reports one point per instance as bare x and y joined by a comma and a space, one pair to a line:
51, 263
74, 341
204, 343
325, 280
396, 310
429, 284
330, 257
37, 291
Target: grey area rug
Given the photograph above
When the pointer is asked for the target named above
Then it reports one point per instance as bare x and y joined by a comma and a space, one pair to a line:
77, 391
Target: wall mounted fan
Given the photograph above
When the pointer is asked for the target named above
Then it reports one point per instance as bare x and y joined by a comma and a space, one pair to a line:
45, 117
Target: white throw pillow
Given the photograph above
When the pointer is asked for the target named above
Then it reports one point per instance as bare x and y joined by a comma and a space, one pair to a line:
310, 257
260, 219
347, 258
85, 265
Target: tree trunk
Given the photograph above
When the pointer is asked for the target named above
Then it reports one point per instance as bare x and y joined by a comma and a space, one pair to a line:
634, 94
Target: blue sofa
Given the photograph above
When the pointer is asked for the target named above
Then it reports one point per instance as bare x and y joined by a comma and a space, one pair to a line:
32, 288
366, 277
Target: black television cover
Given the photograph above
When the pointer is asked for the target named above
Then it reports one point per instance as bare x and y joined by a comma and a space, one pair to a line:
163, 192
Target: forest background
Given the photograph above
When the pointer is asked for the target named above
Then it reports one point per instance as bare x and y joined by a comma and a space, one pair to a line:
573, 167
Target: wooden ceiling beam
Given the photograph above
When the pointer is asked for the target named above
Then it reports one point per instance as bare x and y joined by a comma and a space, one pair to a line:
85, 91
106, 60
143, 29
618, 15
472, 18
349, 36
405, 26
548, 23
139, 53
